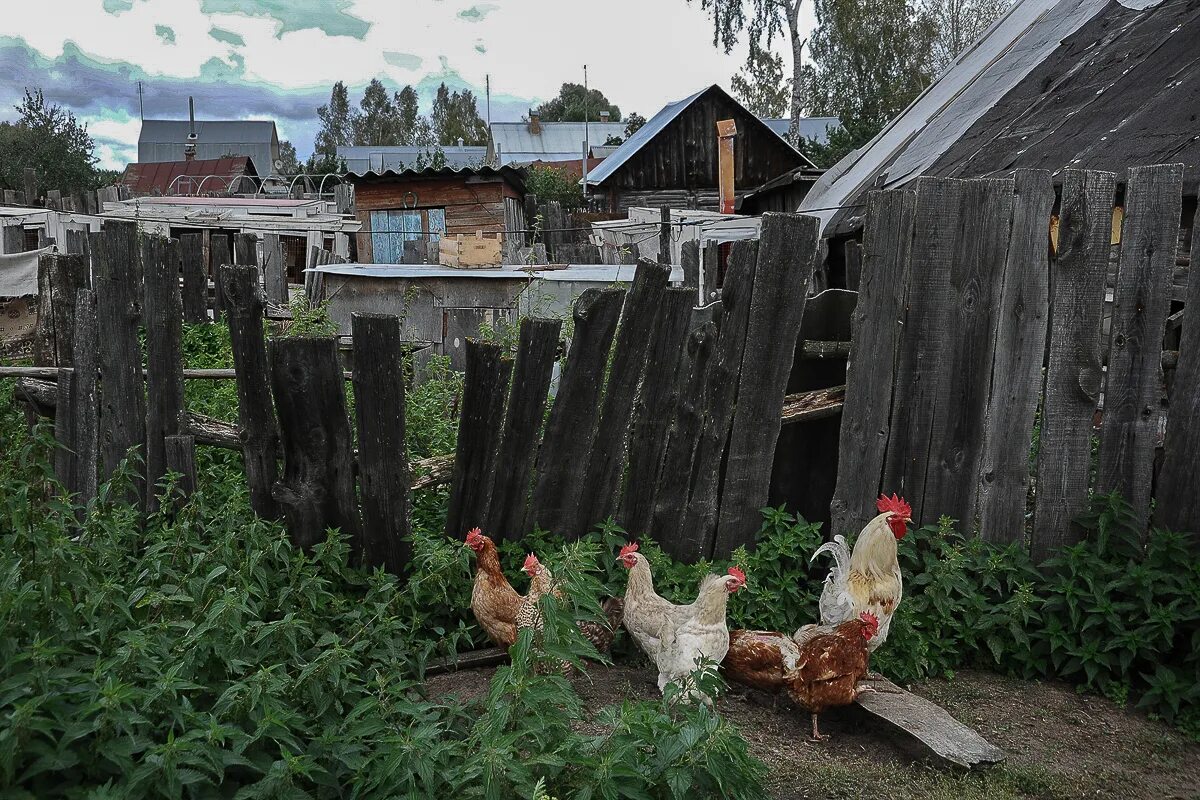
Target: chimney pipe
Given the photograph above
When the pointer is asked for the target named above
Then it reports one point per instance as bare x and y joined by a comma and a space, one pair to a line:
189, 149
604, 116
535, 123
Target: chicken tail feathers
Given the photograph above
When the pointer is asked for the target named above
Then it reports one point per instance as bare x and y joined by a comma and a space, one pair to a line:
841, 554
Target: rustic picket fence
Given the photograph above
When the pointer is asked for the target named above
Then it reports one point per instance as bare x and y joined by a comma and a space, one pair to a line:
972, 330
665, 418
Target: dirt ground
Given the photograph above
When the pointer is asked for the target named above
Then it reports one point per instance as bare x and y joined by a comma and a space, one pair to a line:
1059, 744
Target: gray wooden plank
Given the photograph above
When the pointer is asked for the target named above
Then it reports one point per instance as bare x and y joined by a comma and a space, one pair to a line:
1073, 369
965, 368
85, 430
1022, 321
945, 737
1133, 395
1175, 505
877, 326
786, 254
562, 459
926, 338
478, 437
164, 355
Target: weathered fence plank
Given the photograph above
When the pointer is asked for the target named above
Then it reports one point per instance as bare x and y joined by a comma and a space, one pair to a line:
675, 477
86, 400
606, 462
118, 283
1022, 319
1073, 371
382, 456
274, 270
77, 244
852, 253
245, 249
964, 371
483, 393
689, 259
260, 435
164, 354
562, 459
220, 254
926, 336
786, 253
720, 392
1141, 301
870, 372
712, 272
522, 422
60, 276
664, 235
653, 410
180, 452
64, 432
195, 278
316, 490
13, 236
1175, 505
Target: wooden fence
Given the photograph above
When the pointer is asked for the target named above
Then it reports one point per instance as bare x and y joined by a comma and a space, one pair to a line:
665, 417
979, 333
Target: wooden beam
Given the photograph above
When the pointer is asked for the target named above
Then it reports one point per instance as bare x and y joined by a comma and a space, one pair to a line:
815, 404
950, 741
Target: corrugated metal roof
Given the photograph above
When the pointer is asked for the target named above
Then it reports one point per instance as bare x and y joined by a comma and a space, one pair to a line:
1052, 84
160, 177
810, 127
362, 159
653, 127
163, 140
558, 141
514, 176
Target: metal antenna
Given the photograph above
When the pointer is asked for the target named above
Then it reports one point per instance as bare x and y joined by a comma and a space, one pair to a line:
141, 107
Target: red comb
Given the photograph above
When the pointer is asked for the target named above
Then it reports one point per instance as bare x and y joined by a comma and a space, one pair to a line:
894, 504
869, 618
531, 563
471, 534
629, 549
737, 573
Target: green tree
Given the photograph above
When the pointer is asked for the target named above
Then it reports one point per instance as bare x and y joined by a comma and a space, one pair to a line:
864, 71
287, 155
378, 121
763, 20
760, 84
48, 138
455, 117
415, 129
571, 103
633, 123
337, 123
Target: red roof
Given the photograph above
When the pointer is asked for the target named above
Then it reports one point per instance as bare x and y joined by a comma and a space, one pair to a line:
159, 178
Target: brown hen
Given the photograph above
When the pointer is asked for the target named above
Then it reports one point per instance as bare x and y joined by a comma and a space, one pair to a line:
493, 598
829, 667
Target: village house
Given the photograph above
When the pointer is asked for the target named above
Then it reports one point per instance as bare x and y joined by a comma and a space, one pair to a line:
167, 139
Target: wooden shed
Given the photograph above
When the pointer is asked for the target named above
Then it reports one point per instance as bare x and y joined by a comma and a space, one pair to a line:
672, 159
424, 205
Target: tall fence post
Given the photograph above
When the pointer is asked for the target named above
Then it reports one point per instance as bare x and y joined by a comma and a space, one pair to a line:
118, 282
571, 427
1073, 372
260, 435
652, 411
1141, 302
479, 416
164, 351
606, 461
382, 456
86, 400
522, 423
195, 278
786, 255
60, 276
720, 391
870, 371
664, 235
1175, 504
274, 270
1022, 324
220, 254
316, 490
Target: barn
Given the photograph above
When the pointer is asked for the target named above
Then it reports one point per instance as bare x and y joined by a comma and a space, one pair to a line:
412, 205
672, 159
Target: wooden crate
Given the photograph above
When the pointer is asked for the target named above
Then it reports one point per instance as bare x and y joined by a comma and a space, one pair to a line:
469, 252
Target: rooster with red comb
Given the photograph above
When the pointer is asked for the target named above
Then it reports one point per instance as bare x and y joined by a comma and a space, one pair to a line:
867, 579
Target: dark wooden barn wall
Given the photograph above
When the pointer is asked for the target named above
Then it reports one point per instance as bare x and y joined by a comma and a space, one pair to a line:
684, 154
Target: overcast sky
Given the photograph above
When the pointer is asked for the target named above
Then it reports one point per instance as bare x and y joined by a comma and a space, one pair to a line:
276, 59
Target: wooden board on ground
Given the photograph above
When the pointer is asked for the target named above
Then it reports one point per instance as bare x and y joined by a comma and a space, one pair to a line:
947, 738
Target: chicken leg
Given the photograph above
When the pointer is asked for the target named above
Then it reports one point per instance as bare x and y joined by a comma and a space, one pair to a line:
816, 734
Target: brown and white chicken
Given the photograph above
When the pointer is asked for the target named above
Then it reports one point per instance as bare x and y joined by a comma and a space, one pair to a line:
868, 579
493, 599
829, 667
541, 583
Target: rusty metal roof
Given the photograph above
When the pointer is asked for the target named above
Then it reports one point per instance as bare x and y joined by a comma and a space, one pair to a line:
216, 175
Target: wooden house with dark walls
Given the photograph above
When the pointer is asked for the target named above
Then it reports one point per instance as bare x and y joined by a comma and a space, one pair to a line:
423, 205
672, 159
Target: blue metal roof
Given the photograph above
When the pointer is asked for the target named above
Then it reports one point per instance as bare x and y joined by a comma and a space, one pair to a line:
652, 128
